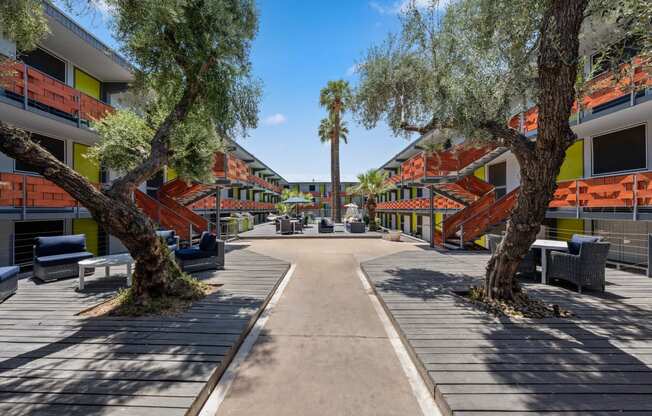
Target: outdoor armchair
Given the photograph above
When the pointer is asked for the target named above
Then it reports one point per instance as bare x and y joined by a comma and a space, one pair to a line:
298, 226
57, 257
209, 254
325, 226
528, 264
356, 227
585, 269
286, 226
8, 281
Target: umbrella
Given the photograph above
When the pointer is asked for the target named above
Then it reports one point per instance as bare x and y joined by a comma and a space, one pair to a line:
296, 200
351, 205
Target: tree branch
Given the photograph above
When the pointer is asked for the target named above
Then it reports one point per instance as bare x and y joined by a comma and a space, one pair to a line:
508, 137
16, 143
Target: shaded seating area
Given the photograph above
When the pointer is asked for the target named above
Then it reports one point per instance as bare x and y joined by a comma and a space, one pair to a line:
209, 254
58, 257
8, 281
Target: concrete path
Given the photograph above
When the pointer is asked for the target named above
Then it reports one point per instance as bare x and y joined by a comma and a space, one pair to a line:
323, 350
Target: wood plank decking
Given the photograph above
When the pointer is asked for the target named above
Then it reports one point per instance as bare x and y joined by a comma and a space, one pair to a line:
599, 362
53, 362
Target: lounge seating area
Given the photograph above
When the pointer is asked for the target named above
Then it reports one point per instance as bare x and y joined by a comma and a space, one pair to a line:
8, 281
581, 260
170, 237
58, 257
209, 254
326, 225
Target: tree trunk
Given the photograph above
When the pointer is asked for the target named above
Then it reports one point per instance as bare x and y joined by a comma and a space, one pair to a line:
335, 168
155, 272
371, 210
540, 163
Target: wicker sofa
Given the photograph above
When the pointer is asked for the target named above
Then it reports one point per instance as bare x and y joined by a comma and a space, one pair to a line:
57, 257
583, 265
209, 254
8, 281
356, 227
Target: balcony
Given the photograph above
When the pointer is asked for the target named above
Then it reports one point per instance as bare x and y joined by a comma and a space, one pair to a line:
26, 192
208, 203
253, 179
605, 92
620, 191
417, 204
50, 95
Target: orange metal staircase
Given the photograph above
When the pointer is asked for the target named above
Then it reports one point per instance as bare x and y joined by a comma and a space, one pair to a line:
171, 215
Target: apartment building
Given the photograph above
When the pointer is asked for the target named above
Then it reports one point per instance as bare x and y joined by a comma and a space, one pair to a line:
603, 187
322, 196
54, 92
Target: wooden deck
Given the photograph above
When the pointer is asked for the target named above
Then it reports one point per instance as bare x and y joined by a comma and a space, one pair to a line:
53, 362
599, 362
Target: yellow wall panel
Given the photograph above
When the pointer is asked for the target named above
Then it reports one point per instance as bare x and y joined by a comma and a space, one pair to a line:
573, 166
170, 174
480, 173
90, 229
87, 84
566, 227
83, 165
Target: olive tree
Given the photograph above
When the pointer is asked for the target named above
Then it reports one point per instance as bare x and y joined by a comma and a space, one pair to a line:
470, 65
194, 88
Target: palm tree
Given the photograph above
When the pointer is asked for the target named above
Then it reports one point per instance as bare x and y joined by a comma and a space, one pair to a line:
372, 183
336, 98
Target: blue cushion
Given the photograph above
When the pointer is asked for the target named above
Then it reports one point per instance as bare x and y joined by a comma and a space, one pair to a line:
59, 259
192, 253
575, 243
207, 242
7, 273
51, 246
168, 236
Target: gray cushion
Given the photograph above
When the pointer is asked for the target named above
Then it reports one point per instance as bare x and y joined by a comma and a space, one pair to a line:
59, 259
50, 246
575, 243
168, 236
326, 222
192, 253
207, 242
7, 273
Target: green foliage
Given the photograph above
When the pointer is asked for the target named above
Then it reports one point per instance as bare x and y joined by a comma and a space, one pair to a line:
328, 127
372, 183
24, 22
125, 140
471, 62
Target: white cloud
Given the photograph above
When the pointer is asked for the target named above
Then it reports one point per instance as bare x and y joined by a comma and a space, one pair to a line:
275, 119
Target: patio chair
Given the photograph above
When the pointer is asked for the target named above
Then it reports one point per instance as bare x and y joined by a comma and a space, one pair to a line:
584, 269
8, 281
57, 257
528, 264
326, 226
356, 227
298, 226
285, 226
209, 254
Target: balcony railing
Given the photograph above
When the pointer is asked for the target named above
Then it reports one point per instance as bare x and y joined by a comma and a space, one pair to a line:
418, 203
602, 90
208, 203
49, 94
264, 184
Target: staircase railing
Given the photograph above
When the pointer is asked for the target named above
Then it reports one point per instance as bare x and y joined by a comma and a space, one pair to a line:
164, 216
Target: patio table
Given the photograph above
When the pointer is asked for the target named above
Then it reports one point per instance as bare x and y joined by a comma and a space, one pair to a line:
107, 262
544, 246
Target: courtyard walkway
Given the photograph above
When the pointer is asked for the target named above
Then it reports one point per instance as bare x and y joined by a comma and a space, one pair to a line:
323, 350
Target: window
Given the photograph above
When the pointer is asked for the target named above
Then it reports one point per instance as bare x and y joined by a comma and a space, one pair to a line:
620, 151
230, 194
54, 146
312, 188
419, 192
498, 178
46, 62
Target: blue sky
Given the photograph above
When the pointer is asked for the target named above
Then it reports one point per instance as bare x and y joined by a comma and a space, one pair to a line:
300, 46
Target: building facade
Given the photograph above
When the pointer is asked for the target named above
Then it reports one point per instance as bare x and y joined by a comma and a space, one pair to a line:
321, 193
603, 187
54, 92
